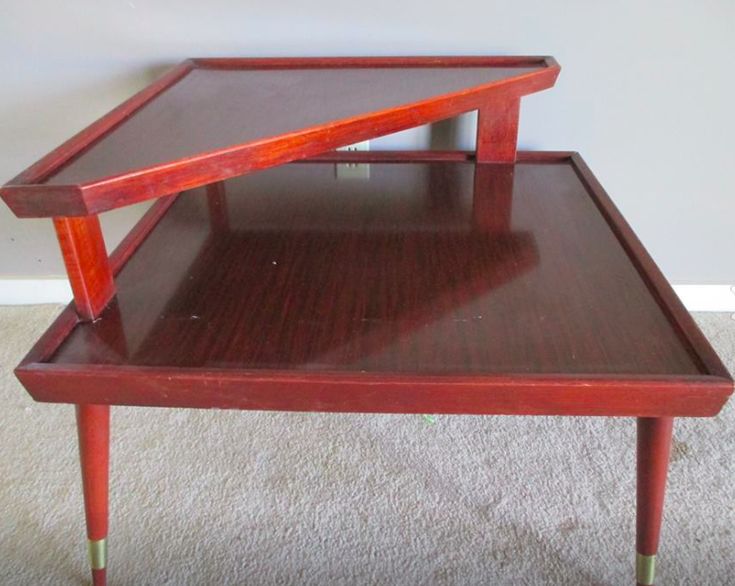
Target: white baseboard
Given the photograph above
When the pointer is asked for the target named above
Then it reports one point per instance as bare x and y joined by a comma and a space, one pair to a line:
707, 297
57, 290
34, 291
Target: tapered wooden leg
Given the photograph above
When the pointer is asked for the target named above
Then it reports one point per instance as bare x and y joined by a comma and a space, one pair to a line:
654, 447
93, 424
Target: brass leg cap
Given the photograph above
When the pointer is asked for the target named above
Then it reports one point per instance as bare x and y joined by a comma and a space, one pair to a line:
97, 553
645, 569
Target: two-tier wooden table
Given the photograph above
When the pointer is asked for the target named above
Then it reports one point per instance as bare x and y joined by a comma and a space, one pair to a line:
491, 282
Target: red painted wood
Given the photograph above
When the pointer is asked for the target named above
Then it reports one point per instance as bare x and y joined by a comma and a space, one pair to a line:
40, 171
93, 425
654, 446
551, 157
374, 62
245, 116
659, 287
49, 342
492, 209
497, 131
85, 257
139, 233
63, 325
391, 157
377, 253
416, 247
495, 282
342, 392
52, 338
217, 206
99, 577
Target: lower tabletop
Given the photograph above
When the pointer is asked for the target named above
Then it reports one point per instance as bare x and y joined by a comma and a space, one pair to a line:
391, 283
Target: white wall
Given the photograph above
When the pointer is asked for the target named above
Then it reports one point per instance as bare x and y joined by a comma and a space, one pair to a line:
645, 92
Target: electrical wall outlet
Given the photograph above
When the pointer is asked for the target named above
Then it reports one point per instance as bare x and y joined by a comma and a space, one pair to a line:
358, 146
353, 170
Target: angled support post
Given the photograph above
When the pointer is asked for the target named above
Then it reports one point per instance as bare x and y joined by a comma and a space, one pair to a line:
497, 131
87, 265
497, 138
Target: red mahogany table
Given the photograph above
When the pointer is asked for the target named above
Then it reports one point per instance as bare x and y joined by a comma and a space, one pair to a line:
491, 282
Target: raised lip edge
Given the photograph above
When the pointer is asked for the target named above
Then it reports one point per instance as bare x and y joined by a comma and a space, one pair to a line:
716, 377
83, 194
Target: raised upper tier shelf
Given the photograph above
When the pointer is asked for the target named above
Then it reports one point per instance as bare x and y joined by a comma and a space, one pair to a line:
212, 119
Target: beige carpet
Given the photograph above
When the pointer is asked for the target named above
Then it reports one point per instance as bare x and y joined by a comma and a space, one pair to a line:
206, 497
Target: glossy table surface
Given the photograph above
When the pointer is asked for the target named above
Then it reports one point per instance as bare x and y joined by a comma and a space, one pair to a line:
208, 120
211, 109
427, 268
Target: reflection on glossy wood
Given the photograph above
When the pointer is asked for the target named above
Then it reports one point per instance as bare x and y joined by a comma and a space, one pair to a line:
659, 287
139, 233
467, 288
214, 119
498, 283
217, 207
492, 206
339, 266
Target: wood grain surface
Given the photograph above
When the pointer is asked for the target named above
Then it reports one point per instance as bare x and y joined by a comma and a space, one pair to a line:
210, 119
437, 285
